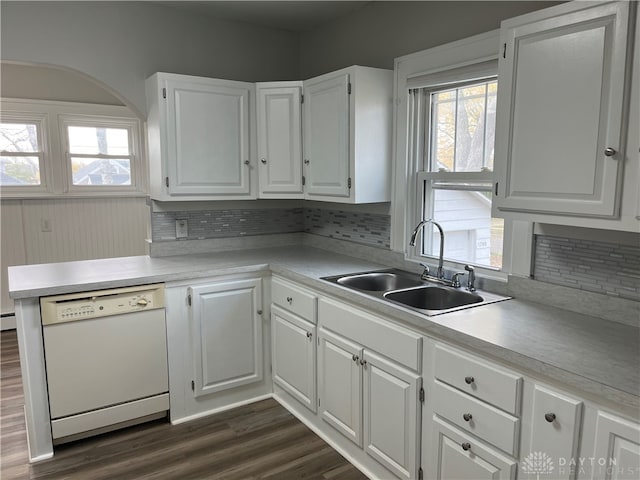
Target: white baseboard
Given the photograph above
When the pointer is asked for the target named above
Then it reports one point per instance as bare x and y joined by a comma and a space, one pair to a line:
7, 322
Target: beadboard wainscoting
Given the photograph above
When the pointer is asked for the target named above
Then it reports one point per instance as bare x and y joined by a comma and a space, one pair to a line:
595, 266
57, 230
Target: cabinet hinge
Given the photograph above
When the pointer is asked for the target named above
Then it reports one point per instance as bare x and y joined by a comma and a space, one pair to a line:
189, 299
496, 190
193, 386
349, 88
164, 93
304, 180
421, 395
166, 181
504, 50
302, 98
318, 401
349, 182
420, 474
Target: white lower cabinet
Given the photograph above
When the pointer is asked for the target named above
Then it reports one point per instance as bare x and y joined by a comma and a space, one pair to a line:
616, 449
372, 401
226, 323
391, 414
552, 434
293, 361
458, 456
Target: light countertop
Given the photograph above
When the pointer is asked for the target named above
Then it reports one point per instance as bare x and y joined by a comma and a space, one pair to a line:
595, 356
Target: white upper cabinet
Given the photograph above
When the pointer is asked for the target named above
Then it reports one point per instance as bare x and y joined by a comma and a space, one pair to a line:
280, 139
200, 142
562, 101
347, 135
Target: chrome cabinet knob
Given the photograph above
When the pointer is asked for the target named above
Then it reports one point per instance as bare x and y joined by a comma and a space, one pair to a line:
306, 161
309, 334
609, 152
289, 300
466, 446
259, 312
550, 417
355, 358
247, 162
264, 161
469, 380
467, 417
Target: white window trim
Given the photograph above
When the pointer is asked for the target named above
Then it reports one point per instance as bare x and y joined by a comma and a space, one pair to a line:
469, 53
128, 123
56, 178
41, 120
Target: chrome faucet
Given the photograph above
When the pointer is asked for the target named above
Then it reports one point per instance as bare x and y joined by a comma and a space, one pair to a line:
471, 278
412, 242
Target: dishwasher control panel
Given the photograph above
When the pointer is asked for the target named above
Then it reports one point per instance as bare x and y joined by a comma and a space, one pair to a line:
101, 303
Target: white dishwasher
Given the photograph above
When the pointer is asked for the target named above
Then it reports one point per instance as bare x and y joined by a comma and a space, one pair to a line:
106, 359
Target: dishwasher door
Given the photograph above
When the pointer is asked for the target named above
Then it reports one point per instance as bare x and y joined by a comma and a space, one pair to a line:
99, 362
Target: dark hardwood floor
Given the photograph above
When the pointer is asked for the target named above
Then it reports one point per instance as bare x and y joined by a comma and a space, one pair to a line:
258, 441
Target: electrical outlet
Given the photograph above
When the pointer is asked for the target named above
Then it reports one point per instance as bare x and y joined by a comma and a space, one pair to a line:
182, 228
45, 224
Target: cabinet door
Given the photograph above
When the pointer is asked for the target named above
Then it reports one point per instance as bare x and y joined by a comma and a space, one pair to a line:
340, 384
326, 136
227, 335
555, 430
207, 138
461, 457
294, 356
617, 449
561, 106
391, 415
279, 142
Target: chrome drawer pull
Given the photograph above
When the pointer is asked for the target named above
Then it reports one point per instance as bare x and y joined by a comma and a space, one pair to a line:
550, 417
469, 380
467, 417
466, 446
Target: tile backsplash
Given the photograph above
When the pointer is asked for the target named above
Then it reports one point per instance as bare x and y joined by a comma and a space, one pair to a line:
364, 228
204, 224
601, 267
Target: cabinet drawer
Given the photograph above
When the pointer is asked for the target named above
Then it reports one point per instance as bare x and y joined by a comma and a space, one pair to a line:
486, 422
393, 341
294, 299
479, 378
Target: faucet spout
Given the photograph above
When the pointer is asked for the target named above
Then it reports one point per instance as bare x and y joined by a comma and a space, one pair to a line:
414, 235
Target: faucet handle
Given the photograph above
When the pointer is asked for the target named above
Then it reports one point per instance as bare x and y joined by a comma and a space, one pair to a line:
471, 278
427, 269
455, 279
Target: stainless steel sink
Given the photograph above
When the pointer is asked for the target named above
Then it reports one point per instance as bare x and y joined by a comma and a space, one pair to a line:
433, 298
379, 281
410, 291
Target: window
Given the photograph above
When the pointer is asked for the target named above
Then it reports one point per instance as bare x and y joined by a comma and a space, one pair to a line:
21, 151
93, 150
100, 152
456, 182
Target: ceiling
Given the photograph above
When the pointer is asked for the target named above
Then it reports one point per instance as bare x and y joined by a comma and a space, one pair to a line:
297, 16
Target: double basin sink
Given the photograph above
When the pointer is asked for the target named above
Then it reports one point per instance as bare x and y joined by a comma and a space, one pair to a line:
410, 291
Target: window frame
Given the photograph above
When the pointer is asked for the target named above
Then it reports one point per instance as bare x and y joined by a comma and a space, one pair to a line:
41, 122
444, 64
57, 177
66, 121
426, 175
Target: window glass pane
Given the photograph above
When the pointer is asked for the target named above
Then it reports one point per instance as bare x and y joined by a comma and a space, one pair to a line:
471, 235
19, 171
94, 140
462, 128
19, 137
96, 171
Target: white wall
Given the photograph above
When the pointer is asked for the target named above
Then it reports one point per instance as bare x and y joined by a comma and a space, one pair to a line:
381, 31
122, 43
